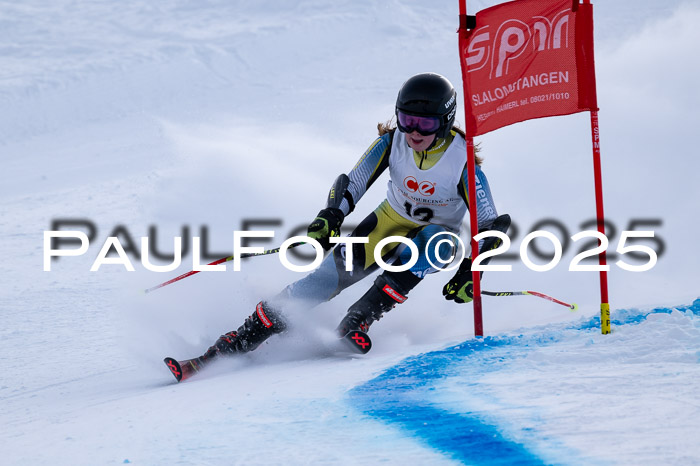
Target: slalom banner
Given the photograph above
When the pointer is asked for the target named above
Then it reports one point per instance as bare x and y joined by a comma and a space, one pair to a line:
521, 60
527, 59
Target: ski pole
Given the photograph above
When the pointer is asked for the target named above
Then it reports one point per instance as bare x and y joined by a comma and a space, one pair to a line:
571, 306
220, 261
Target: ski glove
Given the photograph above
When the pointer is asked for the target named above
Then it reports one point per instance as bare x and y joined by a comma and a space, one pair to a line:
461, 287
326, 225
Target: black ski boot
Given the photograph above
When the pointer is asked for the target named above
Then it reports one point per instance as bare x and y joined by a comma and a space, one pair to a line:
380, 298
257, 328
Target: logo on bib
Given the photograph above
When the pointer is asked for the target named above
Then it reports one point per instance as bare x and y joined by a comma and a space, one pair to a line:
425, 188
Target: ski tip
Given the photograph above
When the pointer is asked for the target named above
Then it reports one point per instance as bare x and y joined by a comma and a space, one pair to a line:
174, 367
358, 341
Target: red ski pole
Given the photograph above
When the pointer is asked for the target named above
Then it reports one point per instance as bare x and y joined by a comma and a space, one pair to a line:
216, 262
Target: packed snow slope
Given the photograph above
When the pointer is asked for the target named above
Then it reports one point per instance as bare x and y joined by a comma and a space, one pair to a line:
191, 119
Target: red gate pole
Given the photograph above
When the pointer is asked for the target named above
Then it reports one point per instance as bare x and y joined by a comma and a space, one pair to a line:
471, 193
600, 215
473, 225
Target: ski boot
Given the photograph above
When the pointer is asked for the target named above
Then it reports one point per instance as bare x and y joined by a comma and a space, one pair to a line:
257, 328
380, 298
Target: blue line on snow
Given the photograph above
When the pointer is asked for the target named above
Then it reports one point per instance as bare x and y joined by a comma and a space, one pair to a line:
401, 395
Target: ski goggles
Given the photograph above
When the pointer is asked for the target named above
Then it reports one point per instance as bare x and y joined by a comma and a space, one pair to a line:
424, 125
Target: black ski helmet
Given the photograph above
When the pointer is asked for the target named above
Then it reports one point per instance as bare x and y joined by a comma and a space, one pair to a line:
431, 95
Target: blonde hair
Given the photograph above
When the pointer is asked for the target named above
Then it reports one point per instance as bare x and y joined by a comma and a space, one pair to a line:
389, 126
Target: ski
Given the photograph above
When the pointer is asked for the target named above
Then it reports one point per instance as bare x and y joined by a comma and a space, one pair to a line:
183, 370
358, 341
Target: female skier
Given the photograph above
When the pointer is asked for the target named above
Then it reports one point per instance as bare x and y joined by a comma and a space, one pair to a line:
427, 195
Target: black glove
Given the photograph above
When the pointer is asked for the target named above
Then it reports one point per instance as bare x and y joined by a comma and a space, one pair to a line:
461, 287
326, 225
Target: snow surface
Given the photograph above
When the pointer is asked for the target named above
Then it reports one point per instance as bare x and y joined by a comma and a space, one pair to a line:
140, 113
